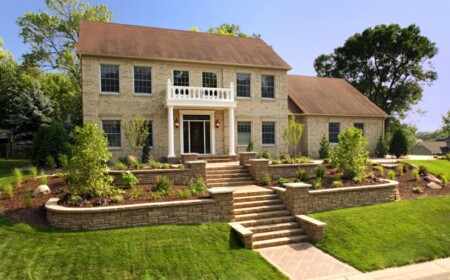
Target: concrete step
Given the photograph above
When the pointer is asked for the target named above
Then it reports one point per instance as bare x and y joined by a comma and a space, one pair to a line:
213, 160
277, 234
268, 221
259, 209
253, 193
274, 227
279, 241
230, 184
263, 197
239, 205
222, 168
262, 215
226, 174
230, 179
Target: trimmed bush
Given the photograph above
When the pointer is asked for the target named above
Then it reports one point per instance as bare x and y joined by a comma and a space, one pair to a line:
324, 151
49, 141
382, 148
399, 144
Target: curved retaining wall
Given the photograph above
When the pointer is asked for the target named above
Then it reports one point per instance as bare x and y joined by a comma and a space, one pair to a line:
217, 208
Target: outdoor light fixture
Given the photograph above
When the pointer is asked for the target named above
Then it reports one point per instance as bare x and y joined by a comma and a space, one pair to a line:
217, 123
177, 123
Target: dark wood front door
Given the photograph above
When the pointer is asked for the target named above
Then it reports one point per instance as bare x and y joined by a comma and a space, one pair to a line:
197, 137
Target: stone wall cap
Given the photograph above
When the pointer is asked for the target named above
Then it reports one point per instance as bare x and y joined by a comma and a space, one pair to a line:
220, 190
241, 229
297, 185
279, 189
52, 205
310, 220
145, 171
189, 154
248, 153
388, 184
259, 159
294, 164
196, 161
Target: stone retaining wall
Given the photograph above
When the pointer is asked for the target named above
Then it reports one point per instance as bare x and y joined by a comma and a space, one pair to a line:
194, 169
217, 208
259, 167
300, 200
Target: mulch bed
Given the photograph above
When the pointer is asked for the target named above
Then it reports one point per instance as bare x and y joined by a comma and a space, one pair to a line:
15, 208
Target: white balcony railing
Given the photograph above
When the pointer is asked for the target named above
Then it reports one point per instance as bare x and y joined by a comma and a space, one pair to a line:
199, 95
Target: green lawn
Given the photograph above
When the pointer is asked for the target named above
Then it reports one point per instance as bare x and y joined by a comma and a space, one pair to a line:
394, 234
436, 167
206, 251
6, 167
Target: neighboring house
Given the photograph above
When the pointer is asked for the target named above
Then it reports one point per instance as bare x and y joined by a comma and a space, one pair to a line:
203, 93
431, 148
328, 106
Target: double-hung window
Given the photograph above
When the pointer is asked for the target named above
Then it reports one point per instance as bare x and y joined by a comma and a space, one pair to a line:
243, 85
209, 80
142, 80
268, 133
109, 78
244, 133
268, 86
333, 132
112, 130
180, 78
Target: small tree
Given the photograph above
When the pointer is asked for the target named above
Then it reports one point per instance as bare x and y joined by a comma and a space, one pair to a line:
49, 141
324, 151
85, 168
399, 144
381, 148
136, 132
292, 133
350, 154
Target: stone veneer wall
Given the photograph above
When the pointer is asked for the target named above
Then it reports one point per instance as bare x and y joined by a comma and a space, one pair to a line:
259, 167
300, 200
217, 208
194, 169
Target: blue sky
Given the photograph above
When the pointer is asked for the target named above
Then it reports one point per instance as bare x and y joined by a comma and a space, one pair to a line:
299, 31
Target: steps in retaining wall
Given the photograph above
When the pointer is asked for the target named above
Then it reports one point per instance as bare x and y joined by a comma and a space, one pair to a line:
228, 176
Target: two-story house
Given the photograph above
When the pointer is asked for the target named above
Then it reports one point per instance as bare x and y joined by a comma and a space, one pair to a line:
203, 93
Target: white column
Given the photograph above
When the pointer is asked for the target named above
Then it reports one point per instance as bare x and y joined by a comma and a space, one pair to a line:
212, 128
231, 132
171, 136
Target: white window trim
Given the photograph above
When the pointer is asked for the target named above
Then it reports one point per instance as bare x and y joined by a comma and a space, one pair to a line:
100, 79
151, 89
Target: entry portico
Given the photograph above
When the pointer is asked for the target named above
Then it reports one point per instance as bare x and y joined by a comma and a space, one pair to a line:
196, 120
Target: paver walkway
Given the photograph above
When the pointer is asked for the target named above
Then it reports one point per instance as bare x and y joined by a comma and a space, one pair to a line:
304, 261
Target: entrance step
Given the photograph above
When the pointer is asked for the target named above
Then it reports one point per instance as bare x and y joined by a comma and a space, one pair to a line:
277, 234
274, 227
238, 205
217, 158
229, 180
279, 241
261, 191
261, 215
261, 197
259, 209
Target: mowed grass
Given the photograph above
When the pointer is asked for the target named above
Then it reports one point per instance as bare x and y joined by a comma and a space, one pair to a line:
206, 251
387, 235
6, 167
440, 166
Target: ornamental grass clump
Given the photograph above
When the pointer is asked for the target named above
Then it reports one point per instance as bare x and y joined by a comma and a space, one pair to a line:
415, 174
391, 175
44, 179
17, 177
9, 190
34, 172
350, 155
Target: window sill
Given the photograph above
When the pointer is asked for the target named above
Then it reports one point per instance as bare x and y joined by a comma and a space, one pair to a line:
244, 97
268, 145
115, 148
143, 94
268, 99
109, 93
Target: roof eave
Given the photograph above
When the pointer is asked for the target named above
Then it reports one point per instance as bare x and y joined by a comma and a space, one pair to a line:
338, 115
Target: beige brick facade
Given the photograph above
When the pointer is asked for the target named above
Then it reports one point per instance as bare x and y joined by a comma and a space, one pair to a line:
98, 106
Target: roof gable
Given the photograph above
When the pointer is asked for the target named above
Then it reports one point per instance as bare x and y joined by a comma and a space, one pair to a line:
330, 96
110, 39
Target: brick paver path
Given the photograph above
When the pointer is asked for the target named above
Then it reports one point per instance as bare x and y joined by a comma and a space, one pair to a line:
304, 261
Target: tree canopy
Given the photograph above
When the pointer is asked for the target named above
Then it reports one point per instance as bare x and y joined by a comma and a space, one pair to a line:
446, 124
387, 63
227, 29
53, 36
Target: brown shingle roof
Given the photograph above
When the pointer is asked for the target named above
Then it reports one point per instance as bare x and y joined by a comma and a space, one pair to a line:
330, 96
110, 39
435, 147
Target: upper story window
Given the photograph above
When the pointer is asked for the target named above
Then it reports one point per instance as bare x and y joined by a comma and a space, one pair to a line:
243, 85
142, 79
268, 133
209, 80
109, 78
244, 133
180, 78
267, 86
333, 132
360, 126
112, 130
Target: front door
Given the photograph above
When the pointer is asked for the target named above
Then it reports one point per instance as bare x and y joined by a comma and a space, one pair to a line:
197, 137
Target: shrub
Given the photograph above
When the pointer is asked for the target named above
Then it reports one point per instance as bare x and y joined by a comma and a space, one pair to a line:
117, 198
145, 153
337, 184
292, 133
326, 160
317, 183
302, 175
9, 190
74, 200
250, 146
196, 186
447, 156
135, 193
129, 180
400, 169
180, 166
59, 175
44, 179
382, 148
17, 177
350, 154
266, 180
133, 162
380, 169
165, 166
266, 155
184, 194
444, 180
423, 170
283, 180
324, 150
399, 144
417, 190
27, 199
162, 185
120, 165
89, 157
34, 172
415, 174
277, 161
136, 132
51, 162
358, 179
391, 175
320, 172
49, 141
154, 196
